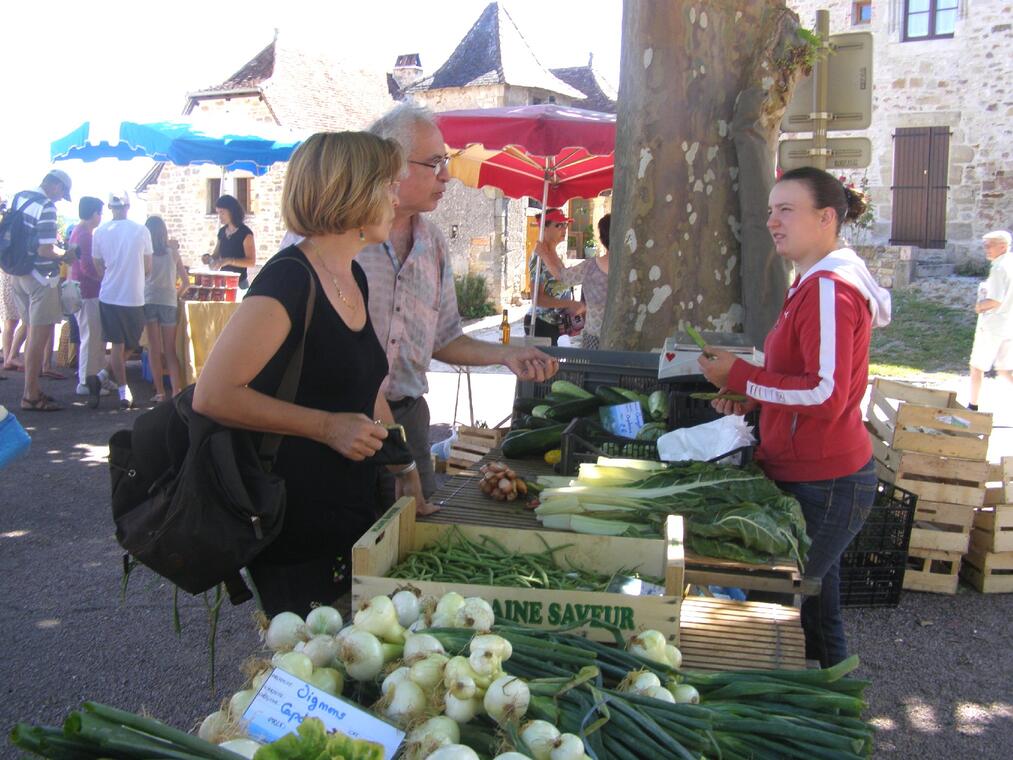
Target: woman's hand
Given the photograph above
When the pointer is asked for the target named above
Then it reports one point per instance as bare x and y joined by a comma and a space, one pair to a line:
354, 436
410, 484
726, 407
716, 365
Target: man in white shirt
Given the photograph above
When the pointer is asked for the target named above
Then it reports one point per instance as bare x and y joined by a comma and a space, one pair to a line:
993, 336
121, 250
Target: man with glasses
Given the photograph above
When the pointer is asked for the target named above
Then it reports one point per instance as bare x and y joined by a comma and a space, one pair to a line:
412, 302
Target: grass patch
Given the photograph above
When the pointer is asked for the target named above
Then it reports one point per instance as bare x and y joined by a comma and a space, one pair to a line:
924, 336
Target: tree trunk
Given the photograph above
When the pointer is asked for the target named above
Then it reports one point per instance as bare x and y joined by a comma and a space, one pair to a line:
702, 89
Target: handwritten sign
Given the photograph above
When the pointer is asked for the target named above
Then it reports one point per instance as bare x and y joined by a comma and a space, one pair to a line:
622, 419
284, 701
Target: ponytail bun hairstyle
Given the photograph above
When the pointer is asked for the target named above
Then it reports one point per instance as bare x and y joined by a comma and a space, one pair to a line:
828, 192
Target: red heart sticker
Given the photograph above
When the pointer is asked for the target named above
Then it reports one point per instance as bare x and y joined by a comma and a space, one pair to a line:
669, 356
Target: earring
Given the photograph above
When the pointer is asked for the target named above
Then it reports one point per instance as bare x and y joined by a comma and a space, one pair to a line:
362, 235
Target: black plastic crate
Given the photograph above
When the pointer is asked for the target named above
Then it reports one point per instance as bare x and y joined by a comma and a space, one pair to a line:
636, 370
872, 568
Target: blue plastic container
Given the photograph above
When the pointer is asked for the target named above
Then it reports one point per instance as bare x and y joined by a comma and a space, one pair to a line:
14, 439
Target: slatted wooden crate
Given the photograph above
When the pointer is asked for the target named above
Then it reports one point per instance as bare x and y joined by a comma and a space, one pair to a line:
989, 572
1000, 482
927, 536
993, 528
904, 418
396, 534
933, 571
471, 445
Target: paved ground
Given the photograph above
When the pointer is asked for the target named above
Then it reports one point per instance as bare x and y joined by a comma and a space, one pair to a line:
941, 666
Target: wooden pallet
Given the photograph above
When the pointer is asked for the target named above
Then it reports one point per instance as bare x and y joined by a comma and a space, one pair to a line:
989, 572
471, 446
933, 571
717, 634
932, 424
993, 528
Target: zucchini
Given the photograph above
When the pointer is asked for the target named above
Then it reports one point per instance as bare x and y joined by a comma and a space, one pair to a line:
609, 396
631, 396
657, 403
542, 410
532, 442
534, 423
566, 388
652, 431
567, 410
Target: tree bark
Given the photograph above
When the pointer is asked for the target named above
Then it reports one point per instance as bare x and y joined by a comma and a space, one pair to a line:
700, 98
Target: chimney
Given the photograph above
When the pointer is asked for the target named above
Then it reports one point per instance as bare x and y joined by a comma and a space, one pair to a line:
407, 70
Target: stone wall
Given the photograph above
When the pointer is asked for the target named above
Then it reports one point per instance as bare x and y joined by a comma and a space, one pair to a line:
891, 265
964, 83
180, 194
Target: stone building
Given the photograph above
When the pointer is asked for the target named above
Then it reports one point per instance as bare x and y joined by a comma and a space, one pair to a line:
296, 87
942, 132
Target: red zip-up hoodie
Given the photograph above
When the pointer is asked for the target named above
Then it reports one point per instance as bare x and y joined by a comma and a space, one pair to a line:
815, 372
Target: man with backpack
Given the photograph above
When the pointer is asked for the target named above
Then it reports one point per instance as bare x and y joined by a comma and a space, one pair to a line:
30, 254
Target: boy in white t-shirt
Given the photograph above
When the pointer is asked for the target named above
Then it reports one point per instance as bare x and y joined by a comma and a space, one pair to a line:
121, 250
993, 336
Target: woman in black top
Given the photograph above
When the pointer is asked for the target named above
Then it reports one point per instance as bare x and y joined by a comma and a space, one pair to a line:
235, 249
340, 192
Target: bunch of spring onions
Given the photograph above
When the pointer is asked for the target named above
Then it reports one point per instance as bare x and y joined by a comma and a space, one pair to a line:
455, 558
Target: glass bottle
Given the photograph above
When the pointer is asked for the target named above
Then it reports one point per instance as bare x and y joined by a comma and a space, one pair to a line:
504, 328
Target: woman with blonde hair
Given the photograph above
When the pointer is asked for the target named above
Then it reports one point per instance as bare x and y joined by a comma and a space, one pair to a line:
161, 309
340, 194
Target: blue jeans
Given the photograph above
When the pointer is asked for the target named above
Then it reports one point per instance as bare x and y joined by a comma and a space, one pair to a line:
835, 511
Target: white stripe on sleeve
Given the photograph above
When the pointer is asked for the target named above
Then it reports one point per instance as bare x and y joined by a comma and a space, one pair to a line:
828, 359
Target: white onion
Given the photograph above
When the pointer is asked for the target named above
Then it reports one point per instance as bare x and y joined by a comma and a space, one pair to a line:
491, 642
460, 710
418, 625
258, 680
406, 604
673, 656
507, 699
239, 702
297, 664
540, 736
476, 613
428, 671
245, 747
684, 693
329, 680
362, 655
285, 629
511, 756
324, 620
660, 693
447, 609
458, 668
393, 679
214, 726
567, 747
650, 645
418, 645
407, 702
436, 732
463, 687
321, 650
642, 682
485, 663
454, 752
379, 617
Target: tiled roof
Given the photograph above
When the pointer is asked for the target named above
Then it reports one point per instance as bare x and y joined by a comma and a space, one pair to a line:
599, 95
494, 52
310, 89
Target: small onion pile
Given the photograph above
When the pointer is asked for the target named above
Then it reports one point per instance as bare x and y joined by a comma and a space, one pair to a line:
653, 646
547, 743
501, 483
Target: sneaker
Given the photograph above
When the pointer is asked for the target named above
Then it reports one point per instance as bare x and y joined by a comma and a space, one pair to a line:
107, 382
126, 399
95, 390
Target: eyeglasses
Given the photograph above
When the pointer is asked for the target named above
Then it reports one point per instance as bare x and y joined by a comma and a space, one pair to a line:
437, 167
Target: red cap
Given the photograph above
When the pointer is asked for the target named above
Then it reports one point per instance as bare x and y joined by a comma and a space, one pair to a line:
555, 215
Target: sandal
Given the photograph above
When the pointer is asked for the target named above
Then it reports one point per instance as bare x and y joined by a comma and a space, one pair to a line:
52, 374
42, 404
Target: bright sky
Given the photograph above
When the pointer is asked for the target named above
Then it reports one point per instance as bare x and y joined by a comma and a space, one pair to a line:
64, 62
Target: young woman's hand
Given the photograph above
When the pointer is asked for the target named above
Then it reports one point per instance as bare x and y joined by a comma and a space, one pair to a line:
726, 407
354, 436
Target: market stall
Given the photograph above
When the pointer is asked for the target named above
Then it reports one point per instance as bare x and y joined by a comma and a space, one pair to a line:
209, 302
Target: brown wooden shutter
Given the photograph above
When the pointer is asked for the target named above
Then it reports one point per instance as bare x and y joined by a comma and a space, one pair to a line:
920, 169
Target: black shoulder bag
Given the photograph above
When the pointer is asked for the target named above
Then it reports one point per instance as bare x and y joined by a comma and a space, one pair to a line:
196, 501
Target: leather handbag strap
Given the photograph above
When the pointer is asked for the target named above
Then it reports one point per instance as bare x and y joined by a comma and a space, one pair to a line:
289, 384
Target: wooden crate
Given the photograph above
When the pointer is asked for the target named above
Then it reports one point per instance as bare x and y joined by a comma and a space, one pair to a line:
941, 427
718, 634
926, 536
471, 445
933, 571
1000, 482
396, 534
989, 572
993, 528
938, 479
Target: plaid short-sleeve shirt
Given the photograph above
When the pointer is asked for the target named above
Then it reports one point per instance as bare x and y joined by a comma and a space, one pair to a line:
413, 306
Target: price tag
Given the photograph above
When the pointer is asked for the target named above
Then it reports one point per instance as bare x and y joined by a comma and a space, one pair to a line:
284, 701
622, 419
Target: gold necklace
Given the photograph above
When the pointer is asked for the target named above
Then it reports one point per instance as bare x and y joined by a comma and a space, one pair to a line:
334, 280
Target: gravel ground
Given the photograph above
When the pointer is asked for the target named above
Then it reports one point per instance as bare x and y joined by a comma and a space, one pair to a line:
940, 666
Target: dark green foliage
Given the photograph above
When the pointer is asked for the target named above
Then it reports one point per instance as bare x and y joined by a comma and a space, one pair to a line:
473, 296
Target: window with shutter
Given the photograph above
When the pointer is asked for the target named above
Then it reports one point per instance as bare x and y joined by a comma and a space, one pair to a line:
920, 169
